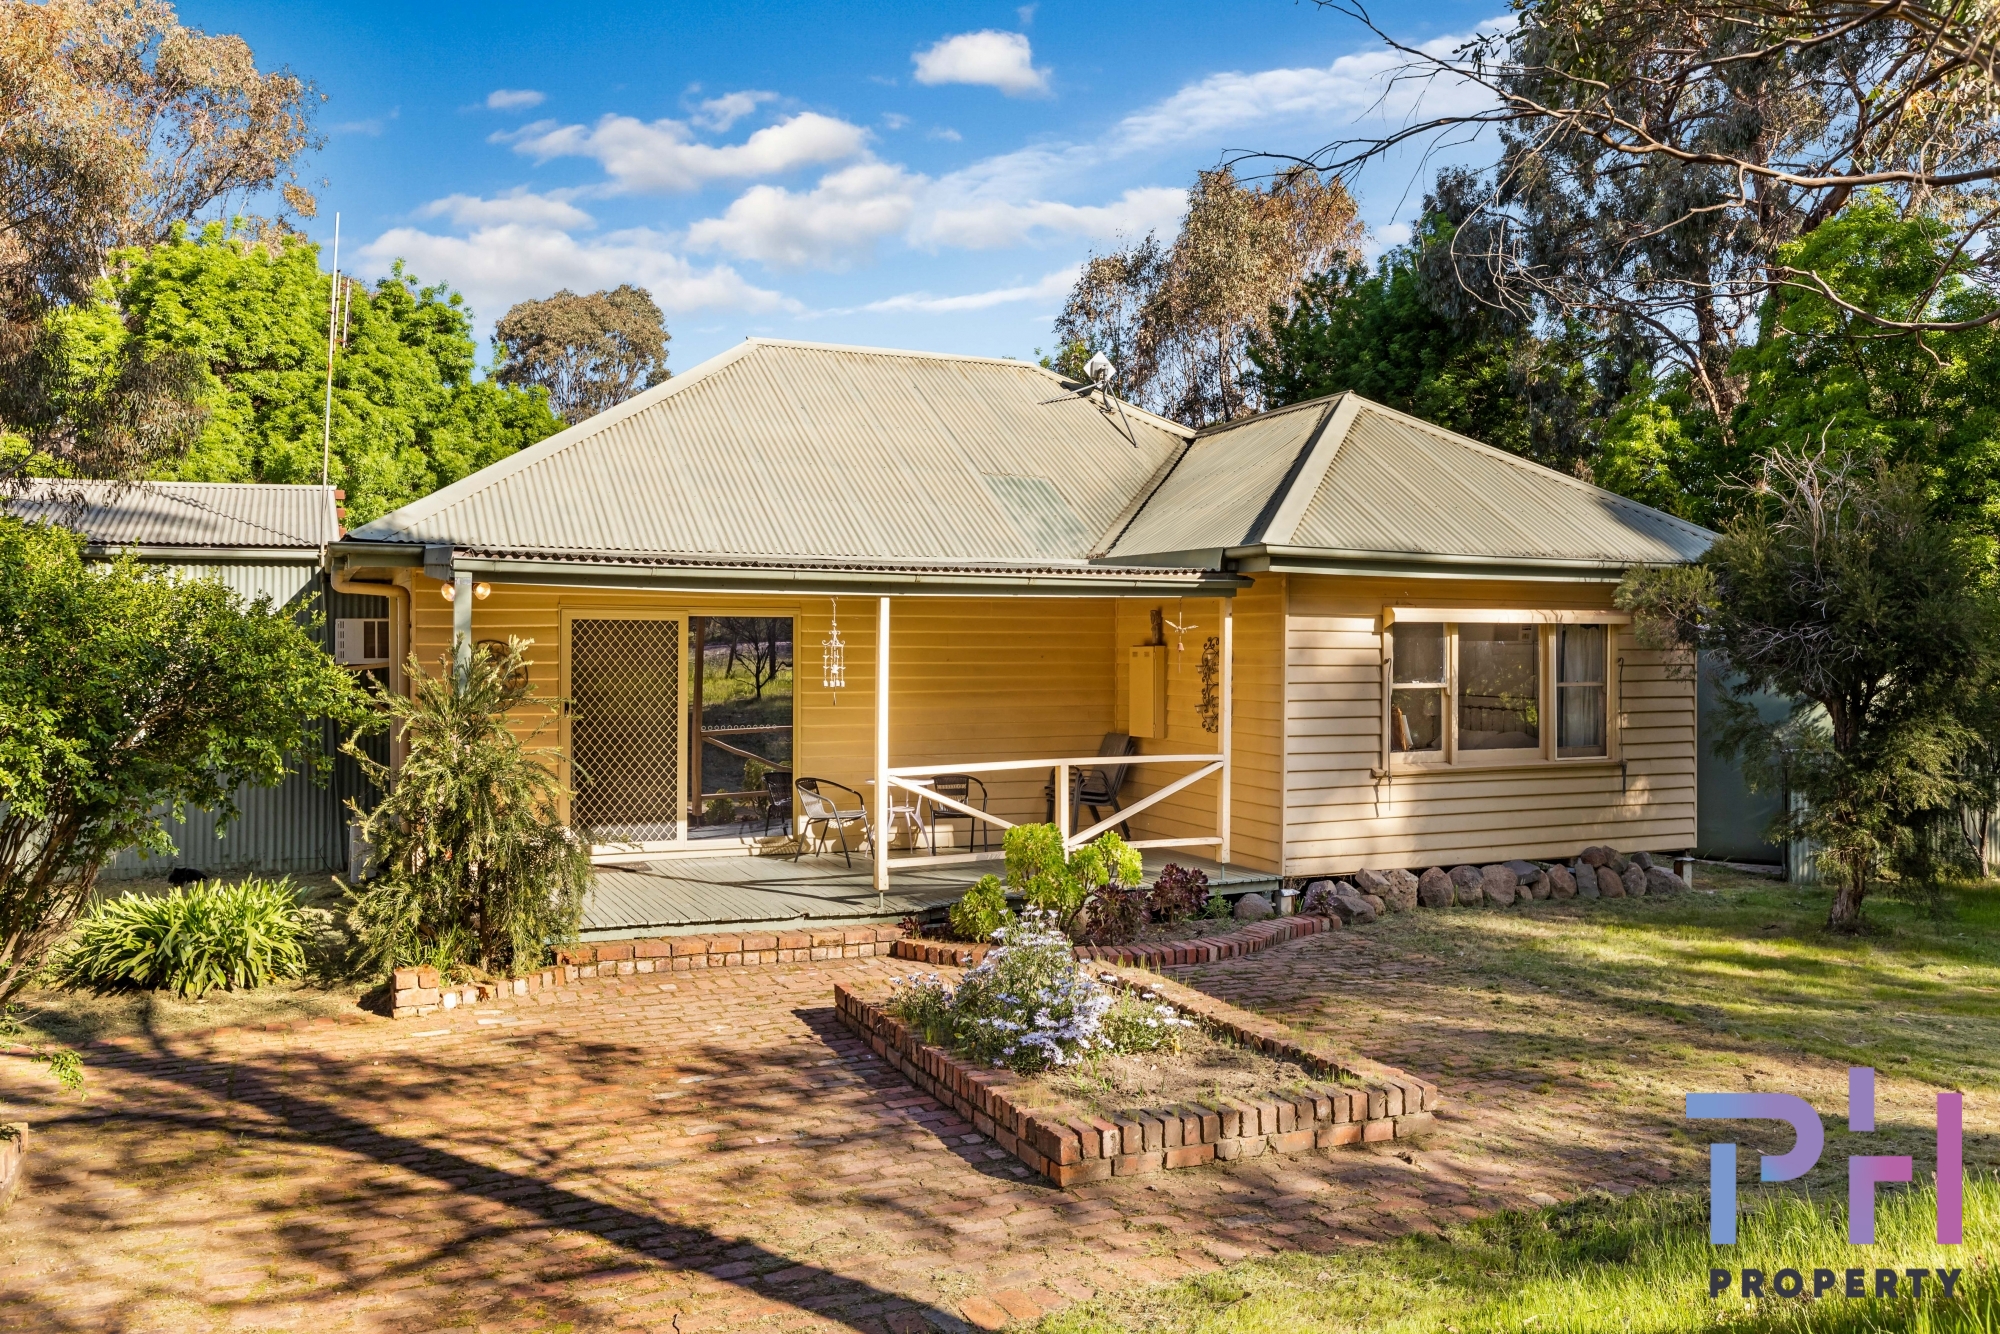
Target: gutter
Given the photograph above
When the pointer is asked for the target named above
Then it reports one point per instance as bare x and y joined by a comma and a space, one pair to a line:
195, 555
1421, 565
442, 563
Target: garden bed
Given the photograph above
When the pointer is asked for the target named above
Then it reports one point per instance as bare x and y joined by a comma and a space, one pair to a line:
1333, 1100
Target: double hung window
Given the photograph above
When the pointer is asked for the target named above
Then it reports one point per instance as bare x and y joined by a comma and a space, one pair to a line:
1488, 688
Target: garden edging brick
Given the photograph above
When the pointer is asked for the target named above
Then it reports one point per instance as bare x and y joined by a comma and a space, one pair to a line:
1070, 1147
415, 992
1157, 954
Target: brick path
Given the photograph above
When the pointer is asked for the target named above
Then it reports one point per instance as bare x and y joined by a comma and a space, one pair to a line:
706, 1151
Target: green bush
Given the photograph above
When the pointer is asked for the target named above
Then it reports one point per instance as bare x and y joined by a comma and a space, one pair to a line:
1065, 884
191, 940
981, 912
1031, 1004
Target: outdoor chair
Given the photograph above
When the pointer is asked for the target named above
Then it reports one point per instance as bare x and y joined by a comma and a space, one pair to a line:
1093, 786
778, 805
960, 788
819, 810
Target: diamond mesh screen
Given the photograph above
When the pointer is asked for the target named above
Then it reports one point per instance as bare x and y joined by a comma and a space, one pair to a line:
625, 679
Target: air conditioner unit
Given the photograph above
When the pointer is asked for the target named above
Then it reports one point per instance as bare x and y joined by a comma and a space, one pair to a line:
360, 642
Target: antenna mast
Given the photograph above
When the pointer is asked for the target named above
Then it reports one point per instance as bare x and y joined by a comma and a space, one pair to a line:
332, 311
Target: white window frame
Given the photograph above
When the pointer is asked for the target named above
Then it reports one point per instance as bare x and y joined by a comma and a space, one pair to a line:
1448, 757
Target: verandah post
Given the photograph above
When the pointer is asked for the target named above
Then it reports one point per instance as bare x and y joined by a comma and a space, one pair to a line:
881, 752
1228, 708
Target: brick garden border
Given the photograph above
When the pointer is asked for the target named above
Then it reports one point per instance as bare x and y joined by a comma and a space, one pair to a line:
1069, 1147
418, 991
13, 1159
1158, 954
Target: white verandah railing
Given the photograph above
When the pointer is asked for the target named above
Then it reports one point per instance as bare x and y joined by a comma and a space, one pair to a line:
905, 778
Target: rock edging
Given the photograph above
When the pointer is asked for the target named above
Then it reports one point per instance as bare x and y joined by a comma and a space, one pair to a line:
415, 992
1070, 1147
1157, 954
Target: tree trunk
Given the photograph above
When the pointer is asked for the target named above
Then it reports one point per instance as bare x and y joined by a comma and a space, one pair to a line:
1845, 914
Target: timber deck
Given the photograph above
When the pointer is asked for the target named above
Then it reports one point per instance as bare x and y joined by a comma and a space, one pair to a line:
672, 896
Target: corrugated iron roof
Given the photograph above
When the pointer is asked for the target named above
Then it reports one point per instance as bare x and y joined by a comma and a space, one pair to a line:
1374, 481
184, 514
805, 452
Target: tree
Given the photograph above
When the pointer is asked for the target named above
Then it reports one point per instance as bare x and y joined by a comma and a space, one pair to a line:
474, 859
588, 352
1655, 157
1841, 588
1179, 321
123, 689
116, 123
250, 313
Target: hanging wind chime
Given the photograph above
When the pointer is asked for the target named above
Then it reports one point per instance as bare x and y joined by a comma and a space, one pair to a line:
833, 655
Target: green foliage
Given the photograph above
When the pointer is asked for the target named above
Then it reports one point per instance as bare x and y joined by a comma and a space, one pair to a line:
1820, 378
1840, 588
65, 1063
124, 688
1217, 908
189, 940
981, 912
408, 414
468, 837
1064, 884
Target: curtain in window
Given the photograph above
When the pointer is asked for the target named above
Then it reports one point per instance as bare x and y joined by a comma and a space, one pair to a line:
1499, 684
1580, 681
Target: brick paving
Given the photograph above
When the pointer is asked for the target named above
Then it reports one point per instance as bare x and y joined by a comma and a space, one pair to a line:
713, 1151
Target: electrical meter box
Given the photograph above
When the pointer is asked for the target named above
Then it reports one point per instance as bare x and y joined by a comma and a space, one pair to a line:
1149, 691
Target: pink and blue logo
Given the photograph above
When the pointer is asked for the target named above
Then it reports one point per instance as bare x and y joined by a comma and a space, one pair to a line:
1864, 1172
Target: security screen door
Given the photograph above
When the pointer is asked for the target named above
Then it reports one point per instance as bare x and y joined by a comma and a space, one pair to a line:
625, 729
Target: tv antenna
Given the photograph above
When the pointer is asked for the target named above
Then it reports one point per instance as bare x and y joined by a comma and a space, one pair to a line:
332, 313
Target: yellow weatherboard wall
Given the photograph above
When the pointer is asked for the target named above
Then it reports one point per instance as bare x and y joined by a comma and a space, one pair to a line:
1343, 817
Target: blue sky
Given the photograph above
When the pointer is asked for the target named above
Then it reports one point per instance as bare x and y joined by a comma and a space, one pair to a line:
916, 176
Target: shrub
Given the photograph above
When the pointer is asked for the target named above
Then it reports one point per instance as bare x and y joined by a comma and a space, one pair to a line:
981, 912
1062, 883
1217, 908
722, 810
467, 837
1116, 913
1178, 894
1030, 1005
126, 692
1318, 901
210, 935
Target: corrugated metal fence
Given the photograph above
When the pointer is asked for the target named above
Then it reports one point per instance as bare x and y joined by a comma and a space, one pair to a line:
300, 826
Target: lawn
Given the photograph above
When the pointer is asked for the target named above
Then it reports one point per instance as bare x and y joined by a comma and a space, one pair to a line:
1603, 1015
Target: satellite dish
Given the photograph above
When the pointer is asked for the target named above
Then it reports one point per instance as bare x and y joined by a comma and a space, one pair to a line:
1099, 369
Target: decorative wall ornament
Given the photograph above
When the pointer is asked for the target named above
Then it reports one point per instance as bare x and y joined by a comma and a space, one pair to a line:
833, 655
1180, 629
1211, 690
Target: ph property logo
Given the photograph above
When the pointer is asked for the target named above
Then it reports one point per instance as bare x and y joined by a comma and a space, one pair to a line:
1864, 1173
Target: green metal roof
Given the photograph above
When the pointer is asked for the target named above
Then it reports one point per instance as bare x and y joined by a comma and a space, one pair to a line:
1343, 482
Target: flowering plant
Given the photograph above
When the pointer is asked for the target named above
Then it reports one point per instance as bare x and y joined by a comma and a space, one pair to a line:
1030, 1005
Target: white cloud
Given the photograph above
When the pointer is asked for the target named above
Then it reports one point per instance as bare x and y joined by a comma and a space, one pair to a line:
831, 226
520, 205
1026, 13
993, 59
1045, 288
945, 133
1354, 87
894, 120
988, 223
719, 113
500, 265
514, 99
1381, 240
662, 155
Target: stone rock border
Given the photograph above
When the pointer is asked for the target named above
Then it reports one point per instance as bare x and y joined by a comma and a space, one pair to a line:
1155, 954
13, 1159
1070, 1147
416, 992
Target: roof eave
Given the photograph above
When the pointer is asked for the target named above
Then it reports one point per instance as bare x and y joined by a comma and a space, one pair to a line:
1271, 559
817, 580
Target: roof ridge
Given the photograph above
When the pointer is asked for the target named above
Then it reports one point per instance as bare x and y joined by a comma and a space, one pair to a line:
1529, 465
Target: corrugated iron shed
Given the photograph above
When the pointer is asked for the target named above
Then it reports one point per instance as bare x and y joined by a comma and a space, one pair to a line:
1352, 479
246, 515
798, 452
